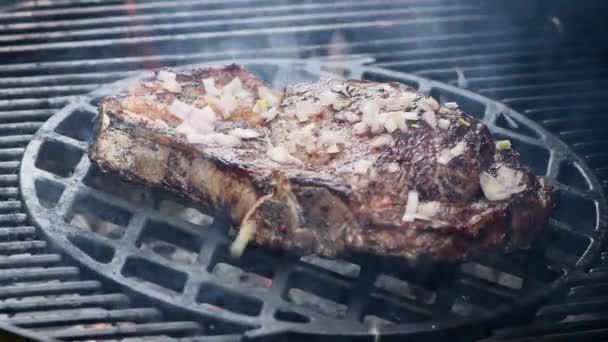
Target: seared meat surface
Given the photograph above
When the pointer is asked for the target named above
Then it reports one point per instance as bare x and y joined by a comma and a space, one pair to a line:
332, 167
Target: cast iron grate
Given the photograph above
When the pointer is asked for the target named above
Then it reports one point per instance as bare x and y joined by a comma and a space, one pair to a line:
128, 235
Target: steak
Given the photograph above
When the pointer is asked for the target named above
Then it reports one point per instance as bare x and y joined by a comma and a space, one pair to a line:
333, 167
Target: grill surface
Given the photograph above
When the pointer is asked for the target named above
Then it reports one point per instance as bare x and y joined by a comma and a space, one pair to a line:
48, 56
264, 293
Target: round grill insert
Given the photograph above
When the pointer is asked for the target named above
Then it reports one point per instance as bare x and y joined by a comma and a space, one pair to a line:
162, 247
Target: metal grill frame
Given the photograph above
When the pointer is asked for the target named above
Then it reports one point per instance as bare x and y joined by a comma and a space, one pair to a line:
54, 227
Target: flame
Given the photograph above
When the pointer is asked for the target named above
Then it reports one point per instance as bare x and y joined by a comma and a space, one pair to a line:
144, 49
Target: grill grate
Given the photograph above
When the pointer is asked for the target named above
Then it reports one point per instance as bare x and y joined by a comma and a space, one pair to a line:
40, 76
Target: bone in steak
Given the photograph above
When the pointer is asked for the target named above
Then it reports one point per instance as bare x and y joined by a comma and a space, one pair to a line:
332, 167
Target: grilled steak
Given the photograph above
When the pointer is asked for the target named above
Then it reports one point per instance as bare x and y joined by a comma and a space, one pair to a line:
331, 167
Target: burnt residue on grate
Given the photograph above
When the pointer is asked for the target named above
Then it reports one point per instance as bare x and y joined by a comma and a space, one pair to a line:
162, 247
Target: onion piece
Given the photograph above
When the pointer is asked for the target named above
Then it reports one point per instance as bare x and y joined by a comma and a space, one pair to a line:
392, 167
443, 123
234, 87
210, 88
430, 118
451, 153
352, 117
280, 154
305, 109
428, 209
381, 141
270, 114
244, 133
333, 149
169, 81
273, 98
227, 104
165, 76
360, 128
506, 183
328, 98
200, 126
180, 109
214, 139
205, 114
451, 105
161, 123
411, 207
362, 166
390, 125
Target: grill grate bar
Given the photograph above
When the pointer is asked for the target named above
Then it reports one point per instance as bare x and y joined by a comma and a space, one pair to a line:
14, 291
88, 315
44, 303
190, 22
9, 167
7, 206
138, 7
29, 260
241, 33
46, 91
168, 328
16, 232
13, 218
21, 246
35, 274
11, 153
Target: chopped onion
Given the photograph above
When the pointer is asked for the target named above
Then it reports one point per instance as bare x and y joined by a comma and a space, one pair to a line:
451, 105
280, 154
227, 104
411, 207
390, 125
430, 118
329, 137
234, 87
328, 98
270, 114
352, 117
392, 167
362, 166
169, 81
185, 128
269, 95
428, 104
506, 183
443, 123
370, 117
161, 123
200, 126
410, 115
205, 114
165, 76
214, 139
210, 87
398, 119
428, 209
381, 141
333, 149
244, 133
360, 128
180, 109
305, 109
451, 153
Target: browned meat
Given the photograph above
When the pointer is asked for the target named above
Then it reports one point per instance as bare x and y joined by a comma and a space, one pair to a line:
331, 167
